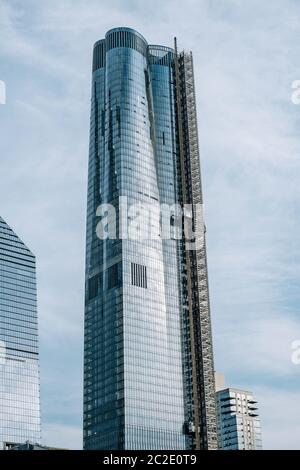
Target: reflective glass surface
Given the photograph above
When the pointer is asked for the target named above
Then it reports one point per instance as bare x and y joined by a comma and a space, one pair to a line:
19, 366
133, 374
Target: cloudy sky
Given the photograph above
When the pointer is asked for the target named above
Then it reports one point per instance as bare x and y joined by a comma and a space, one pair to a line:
246, 57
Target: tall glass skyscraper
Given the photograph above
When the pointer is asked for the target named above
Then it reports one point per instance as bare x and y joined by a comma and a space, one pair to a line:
19, 359
148, 368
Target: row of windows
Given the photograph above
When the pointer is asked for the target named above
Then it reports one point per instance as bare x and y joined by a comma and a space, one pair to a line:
15, 315
12, 247
11, 261
13, 253
19, 274
13, 300
15, 325
14, 291
22, 284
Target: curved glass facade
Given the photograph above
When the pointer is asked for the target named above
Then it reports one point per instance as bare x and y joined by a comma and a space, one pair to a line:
19, 366
135, 391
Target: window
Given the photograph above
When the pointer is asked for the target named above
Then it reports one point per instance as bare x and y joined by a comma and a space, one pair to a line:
114, 276
138, 275
93, 287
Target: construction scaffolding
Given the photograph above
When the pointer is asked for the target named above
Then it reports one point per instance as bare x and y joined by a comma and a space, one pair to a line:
202, 423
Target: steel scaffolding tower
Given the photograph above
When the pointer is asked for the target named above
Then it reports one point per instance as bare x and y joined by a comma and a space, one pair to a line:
202, 424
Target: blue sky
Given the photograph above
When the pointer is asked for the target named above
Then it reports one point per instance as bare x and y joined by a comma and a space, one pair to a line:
246, 57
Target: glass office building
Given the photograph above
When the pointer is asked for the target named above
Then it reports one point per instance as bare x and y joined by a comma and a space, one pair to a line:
148, 367
238, 420
19, 360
